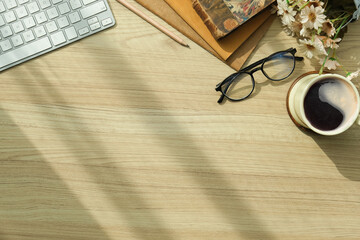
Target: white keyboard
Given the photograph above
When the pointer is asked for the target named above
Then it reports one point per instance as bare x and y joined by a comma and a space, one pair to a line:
29, 28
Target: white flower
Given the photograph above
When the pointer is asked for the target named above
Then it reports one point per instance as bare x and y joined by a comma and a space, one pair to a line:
320, 46
331, 63
279, 2
312, 17
308, 48
312, 48
286, 12
316, 3
328, 28
305, 32
353, 75
328, 42
296, 26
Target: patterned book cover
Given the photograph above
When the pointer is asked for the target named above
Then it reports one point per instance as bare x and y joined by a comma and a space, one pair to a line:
223, 16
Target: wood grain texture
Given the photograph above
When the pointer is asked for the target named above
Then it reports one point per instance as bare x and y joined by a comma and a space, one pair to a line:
119, 136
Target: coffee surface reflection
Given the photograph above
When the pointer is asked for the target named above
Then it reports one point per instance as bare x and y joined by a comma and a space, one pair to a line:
329, 103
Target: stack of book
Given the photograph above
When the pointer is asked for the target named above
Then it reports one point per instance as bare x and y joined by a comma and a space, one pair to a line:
229, 29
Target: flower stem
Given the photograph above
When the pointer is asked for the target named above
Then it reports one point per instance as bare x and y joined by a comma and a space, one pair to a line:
341, 17
327, 55
294, 4
303, 6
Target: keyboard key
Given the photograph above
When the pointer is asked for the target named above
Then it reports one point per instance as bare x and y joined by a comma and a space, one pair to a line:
21, 12
58, 38
71, 33
28, 36
86, 2
10, 3
18, 27
52, 13
17, 40
33, 7
64, 8
106, 21
56, 1
25, 51
2, 7
84, 30
29, 22
2, 22
51, 27
5, 46
44, 3
93, 9
6, 31
41, 17
9, 16
92, 20
95, 26
22, 1
75, 4
63, 22
74, 17
39, 31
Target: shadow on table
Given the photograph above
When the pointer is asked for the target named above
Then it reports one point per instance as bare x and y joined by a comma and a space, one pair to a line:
213, 183
343, 150
77, 136
34, 201
125, 195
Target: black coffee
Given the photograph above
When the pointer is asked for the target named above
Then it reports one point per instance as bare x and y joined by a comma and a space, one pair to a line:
326, 104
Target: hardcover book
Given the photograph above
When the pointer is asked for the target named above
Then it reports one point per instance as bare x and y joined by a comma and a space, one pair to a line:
226, 46
223, 16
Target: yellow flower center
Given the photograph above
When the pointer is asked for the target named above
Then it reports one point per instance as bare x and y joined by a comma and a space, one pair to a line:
312, 17
310, 47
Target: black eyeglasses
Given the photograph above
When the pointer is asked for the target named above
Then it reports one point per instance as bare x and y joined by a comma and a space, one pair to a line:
276, 67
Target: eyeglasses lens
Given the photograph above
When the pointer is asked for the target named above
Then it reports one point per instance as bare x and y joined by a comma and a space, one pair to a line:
240, 87
279, 66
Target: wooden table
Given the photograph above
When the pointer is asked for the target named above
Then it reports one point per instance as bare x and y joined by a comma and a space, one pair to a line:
119, 136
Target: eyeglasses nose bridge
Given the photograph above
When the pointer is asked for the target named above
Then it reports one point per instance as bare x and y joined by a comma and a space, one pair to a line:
255, 70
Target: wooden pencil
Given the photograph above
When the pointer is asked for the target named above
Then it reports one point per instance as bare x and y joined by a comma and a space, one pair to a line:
152, 22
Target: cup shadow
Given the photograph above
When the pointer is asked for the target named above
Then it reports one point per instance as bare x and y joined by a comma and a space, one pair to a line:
342, 149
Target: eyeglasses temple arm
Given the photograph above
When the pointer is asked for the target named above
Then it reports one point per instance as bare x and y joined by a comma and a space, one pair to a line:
299, 58
226, 88
221, 98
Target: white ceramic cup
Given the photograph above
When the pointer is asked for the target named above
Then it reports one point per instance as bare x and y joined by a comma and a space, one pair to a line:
300, 89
